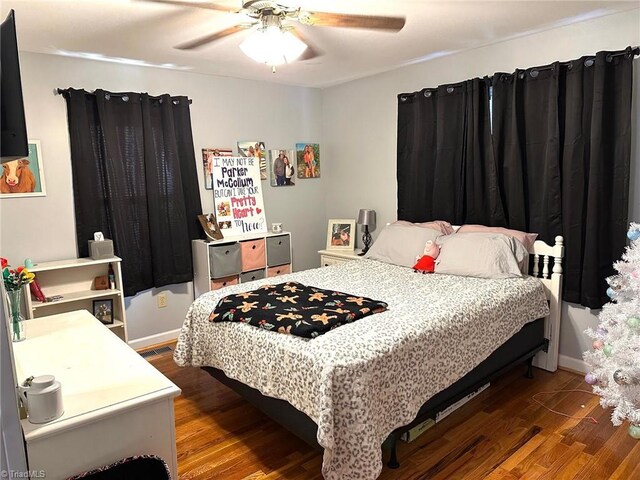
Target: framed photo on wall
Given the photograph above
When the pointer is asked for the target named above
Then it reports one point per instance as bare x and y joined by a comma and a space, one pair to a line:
308, 160
282, 168
341, 234
103, 310
207, 163
24, 177
255, 149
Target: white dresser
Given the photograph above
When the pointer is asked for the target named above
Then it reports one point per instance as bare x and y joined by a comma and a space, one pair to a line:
116, 404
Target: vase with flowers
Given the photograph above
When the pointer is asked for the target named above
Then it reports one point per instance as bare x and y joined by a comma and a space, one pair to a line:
13, 280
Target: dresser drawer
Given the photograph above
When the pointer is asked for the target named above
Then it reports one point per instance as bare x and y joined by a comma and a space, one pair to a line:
251, 276
225, 260
253, 255
218, 283
279, 270
326, 261
278, 250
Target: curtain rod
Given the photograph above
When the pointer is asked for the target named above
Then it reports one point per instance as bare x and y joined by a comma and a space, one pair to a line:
632, 52
61, 91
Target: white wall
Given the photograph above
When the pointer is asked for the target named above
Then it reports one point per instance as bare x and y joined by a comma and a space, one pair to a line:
360, 122
224, 110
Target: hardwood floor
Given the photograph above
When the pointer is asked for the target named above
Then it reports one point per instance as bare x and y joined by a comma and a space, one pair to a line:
501, 434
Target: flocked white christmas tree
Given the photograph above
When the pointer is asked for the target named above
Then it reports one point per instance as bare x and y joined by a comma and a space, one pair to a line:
615, 358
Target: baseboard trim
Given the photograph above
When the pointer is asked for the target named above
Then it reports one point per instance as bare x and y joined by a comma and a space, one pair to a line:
156, 339
576, 365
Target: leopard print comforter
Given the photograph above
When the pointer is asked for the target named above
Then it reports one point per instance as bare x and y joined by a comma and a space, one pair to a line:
361, 381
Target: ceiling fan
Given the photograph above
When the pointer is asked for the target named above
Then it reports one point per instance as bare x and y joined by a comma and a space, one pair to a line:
275, 40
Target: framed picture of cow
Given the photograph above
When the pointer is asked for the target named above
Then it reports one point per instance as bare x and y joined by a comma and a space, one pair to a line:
24, 177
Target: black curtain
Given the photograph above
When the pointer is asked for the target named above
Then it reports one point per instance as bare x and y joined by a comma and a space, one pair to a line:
135, 179
595, 119
526, 138
559, 164
417, 114
446, 167
562, 134
482, 199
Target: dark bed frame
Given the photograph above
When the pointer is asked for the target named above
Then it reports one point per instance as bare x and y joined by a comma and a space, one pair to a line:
520, 348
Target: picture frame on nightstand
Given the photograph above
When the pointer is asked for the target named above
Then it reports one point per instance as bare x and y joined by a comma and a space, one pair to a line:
341, 234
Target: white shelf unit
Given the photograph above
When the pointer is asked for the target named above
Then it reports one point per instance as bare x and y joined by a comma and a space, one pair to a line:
73, 280
203, 265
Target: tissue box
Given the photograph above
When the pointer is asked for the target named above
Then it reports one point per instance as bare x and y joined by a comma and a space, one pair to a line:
100, 250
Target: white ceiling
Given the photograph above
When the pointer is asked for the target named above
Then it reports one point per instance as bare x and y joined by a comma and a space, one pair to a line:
146, 32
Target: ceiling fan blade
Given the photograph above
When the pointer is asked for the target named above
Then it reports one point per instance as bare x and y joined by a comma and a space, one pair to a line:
324, 19
311, 51
206, 5
212, 37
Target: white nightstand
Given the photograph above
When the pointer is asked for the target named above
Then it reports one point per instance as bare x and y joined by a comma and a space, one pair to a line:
332, 257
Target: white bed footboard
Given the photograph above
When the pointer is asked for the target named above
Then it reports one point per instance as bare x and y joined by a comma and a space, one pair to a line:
550, 274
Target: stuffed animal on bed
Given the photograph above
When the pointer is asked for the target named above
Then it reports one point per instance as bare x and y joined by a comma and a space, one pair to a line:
427, 263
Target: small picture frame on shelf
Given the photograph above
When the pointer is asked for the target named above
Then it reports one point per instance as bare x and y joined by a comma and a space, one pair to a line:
103, 310
341, 234
101, 282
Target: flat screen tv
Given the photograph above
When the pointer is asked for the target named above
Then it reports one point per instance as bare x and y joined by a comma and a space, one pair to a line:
13, 143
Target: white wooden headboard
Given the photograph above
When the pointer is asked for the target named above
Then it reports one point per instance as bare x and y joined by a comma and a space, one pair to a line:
551, 257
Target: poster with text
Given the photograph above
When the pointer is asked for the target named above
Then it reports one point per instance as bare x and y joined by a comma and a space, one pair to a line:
237, 194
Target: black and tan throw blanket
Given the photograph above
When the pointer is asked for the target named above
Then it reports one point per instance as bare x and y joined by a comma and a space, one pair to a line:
295, 309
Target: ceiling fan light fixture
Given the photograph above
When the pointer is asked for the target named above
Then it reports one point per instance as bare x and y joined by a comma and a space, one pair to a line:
273, 46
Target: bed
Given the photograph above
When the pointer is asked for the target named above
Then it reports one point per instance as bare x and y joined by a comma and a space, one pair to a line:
353, 388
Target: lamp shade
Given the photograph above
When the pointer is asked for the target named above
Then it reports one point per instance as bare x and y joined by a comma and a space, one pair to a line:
273, 46
367, 217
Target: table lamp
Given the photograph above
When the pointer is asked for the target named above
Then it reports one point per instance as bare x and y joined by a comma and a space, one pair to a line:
366, 218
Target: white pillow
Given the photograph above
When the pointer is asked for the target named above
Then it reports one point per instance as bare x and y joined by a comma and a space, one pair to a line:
484, 255
401, 244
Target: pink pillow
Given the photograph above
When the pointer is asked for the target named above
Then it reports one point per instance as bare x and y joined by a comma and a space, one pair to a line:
443, 227
526, 239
